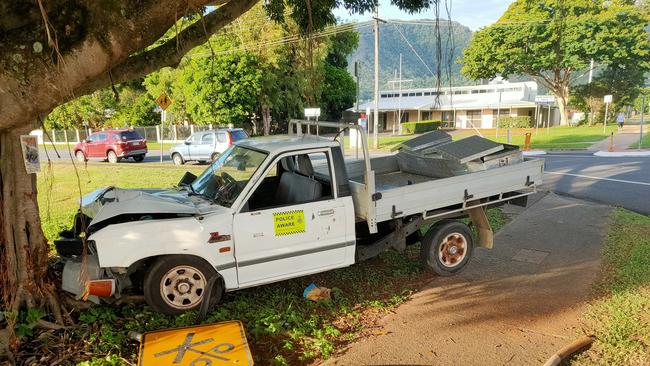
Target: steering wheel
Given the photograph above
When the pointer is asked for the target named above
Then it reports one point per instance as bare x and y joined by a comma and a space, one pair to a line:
226, 189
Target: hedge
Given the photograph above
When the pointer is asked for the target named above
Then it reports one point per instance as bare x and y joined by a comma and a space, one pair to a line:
420, 127
514, 122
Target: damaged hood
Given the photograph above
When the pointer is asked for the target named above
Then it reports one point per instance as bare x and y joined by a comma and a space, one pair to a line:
108, 202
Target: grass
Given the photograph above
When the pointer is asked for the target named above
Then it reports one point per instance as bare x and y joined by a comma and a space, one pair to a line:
645, 142
620, 318
282, 328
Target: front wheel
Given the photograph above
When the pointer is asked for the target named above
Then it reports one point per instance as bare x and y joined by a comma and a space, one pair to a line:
80, 156
178, 159
447, 247
111, 156
177, 283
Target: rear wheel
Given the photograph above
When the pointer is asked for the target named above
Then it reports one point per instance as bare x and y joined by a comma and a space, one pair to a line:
138, 158
447, 247
111, 156
81, 157
177, 283
178, 159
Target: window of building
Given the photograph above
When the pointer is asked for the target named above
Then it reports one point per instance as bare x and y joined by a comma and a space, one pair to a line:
427, 93
418, 94
411, 94
475, 91
426, 115
405, 94
474, 117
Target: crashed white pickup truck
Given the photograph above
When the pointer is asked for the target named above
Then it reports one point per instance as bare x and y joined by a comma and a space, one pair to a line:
270, 209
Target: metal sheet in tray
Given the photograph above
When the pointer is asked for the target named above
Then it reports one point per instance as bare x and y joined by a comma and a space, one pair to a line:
467, 149
426, 140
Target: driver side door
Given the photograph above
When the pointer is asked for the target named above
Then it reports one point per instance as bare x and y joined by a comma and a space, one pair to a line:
288, 240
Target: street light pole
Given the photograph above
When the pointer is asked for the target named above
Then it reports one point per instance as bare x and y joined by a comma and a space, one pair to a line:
641, 125
375, 119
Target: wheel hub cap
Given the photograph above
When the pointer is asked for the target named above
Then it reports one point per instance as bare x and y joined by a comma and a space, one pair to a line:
182, 287
452, 250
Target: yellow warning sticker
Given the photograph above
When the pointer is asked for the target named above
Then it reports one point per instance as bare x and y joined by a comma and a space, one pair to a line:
214, 344
289, 222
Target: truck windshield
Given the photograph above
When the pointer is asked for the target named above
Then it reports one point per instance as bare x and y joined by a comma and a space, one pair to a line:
224, 180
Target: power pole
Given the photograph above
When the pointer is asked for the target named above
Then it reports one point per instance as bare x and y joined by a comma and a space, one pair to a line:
356, 75
375, 119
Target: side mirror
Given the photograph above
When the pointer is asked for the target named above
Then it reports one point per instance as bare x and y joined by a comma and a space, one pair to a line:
188, 142
187, 179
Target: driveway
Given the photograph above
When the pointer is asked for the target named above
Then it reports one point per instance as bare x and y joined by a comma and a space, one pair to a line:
515, 304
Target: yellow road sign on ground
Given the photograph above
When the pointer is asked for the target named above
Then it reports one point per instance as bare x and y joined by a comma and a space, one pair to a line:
206, 345
164, 101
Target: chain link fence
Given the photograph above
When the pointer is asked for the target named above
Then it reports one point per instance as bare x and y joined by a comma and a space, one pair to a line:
170, 133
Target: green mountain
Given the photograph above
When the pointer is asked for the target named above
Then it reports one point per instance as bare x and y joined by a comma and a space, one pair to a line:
394, 39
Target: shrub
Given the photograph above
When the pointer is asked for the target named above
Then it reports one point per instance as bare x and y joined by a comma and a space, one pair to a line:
420, 127
514, 122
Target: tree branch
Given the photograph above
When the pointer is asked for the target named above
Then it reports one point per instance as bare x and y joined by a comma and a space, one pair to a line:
171, 52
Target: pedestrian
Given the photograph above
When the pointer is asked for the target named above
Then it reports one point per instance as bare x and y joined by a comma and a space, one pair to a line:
620, 119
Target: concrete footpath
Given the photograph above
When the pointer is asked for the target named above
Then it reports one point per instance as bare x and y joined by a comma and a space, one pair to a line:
516, 304
627, 138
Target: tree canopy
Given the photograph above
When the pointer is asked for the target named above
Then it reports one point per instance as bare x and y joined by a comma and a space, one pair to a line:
553, 40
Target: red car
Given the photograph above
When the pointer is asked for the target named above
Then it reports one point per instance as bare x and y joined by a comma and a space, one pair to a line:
112, 145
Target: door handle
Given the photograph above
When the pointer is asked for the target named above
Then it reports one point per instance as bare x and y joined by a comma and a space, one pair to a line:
326, 212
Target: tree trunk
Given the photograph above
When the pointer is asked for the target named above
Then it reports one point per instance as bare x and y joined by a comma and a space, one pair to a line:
266, 119
562, 98
24, 280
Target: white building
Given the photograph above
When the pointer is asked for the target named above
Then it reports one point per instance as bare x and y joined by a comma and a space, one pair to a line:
461, 107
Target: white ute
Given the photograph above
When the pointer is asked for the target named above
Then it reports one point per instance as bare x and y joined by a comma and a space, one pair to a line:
270, 209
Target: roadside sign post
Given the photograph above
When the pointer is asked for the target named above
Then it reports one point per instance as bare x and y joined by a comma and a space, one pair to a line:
607, 99
541, 101
163, 101
312, 112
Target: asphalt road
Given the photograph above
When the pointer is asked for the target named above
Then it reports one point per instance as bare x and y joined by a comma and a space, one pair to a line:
623, 182
152, 156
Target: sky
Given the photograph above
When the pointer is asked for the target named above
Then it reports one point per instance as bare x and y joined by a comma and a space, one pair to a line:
472, 13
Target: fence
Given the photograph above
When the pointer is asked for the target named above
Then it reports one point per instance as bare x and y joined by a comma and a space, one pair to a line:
171, 133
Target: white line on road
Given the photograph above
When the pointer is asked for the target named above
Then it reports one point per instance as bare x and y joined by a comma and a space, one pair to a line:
600, 178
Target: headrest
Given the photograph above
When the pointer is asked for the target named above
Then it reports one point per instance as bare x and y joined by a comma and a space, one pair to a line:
304, 166
287, 164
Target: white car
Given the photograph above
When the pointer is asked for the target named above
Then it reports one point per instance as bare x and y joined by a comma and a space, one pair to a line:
271, 209
206, 145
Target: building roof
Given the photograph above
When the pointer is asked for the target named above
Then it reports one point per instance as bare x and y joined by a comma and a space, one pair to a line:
464, 97
281, 143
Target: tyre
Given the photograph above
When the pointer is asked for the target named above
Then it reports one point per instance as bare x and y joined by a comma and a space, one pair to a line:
178, 159
177, 283
214, 157
81, 157
138, 158
111, 157
447, 247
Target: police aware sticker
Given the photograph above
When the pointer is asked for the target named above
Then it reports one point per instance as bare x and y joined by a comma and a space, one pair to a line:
289, 222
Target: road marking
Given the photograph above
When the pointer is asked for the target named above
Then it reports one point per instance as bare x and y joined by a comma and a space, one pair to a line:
601, 178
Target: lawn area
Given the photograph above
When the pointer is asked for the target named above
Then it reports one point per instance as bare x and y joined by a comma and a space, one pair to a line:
645, 143
620, 318
282, 328
558, 137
